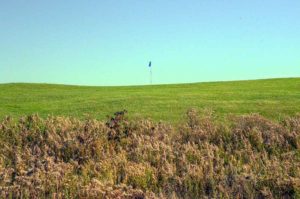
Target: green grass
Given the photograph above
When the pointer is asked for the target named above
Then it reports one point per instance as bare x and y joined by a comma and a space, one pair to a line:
273, 98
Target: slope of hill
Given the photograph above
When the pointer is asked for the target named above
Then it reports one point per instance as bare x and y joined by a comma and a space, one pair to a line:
272, 98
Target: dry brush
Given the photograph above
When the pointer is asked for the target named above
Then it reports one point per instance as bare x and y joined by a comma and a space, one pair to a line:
246, 157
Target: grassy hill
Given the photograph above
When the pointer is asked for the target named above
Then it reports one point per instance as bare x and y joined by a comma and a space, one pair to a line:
272, 98
199, 157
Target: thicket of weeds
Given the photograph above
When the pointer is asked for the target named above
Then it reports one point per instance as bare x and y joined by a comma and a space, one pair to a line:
248, 157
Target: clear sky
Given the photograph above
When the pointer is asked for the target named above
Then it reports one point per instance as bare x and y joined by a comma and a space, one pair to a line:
109, 42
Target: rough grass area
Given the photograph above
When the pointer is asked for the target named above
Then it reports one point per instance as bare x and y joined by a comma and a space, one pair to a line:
273, 98
246, 157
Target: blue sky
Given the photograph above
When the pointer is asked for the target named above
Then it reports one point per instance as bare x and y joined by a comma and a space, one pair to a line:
100, 42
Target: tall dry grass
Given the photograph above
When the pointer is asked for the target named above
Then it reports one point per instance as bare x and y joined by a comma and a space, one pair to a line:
247, 157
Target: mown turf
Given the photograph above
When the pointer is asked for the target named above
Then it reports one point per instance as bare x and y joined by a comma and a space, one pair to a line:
272, 98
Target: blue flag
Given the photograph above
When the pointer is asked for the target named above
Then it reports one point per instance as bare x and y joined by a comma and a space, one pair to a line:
150, 64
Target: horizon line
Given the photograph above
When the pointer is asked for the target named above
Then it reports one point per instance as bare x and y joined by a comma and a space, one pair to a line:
140, 85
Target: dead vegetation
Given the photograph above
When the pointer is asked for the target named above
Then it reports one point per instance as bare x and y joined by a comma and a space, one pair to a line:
248, 157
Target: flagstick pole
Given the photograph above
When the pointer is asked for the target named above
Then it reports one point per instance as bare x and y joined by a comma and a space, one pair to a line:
151, 75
